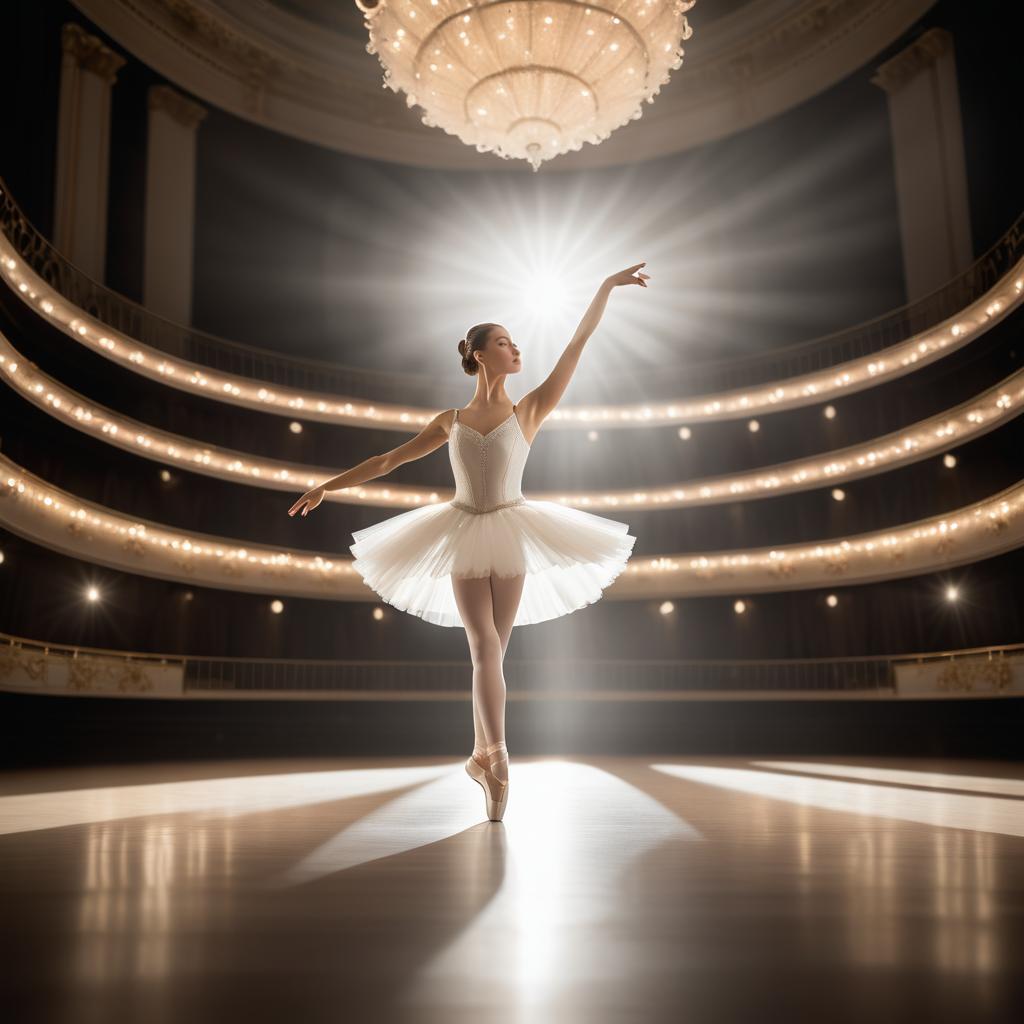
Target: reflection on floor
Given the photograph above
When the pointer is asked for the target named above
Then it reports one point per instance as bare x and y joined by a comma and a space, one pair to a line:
617, 889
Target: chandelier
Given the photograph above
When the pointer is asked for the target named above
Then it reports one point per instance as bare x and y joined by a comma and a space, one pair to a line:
527, 79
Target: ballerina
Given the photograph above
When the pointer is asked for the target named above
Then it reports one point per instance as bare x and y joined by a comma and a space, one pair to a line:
489, 559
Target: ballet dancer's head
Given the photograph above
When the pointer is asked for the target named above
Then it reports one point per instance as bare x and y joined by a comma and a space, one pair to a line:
491, 347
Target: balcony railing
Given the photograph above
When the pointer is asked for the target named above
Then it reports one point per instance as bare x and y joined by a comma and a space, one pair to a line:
667, 382
546, 678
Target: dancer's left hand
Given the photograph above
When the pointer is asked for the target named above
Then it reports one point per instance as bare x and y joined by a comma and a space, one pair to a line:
626, 276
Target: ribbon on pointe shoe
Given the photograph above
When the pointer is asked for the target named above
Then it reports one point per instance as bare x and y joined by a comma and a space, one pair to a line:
498, 748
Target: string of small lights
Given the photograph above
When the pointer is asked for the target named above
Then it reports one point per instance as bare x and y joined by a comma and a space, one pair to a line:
946, 430
63, 522
796, 392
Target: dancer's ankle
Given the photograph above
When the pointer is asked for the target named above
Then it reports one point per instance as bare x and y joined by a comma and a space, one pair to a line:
497, 758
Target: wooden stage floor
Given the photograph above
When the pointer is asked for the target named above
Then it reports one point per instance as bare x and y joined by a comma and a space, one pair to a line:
618, 889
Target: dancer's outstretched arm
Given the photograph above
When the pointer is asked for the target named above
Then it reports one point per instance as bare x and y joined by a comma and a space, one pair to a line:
431, 437
543, 399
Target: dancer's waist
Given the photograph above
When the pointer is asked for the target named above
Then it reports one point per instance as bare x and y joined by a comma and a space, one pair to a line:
494, 508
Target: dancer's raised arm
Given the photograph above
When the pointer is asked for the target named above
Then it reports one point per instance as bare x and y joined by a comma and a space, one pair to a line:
431, 437
543, 399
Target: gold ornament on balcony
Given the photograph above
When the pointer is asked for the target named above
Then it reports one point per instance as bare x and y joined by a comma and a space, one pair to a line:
527, 79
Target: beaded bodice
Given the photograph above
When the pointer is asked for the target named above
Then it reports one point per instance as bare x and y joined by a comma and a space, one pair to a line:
488, 468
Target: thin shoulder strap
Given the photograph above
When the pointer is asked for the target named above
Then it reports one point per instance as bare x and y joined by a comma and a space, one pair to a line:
456, 414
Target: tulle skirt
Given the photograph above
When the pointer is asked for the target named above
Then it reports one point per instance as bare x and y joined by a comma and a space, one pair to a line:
567, 555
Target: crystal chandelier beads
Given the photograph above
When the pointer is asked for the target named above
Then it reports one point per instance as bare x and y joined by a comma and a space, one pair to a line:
527, 79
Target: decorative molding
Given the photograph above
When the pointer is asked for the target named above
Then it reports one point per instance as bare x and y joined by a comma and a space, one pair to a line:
894, 74
89, 52
186, 112
323, 87
74, 672
970, 674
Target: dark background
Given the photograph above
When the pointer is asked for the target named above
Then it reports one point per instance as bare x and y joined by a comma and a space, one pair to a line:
261, 198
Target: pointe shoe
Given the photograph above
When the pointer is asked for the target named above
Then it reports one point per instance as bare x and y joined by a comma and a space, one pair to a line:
495, 789
474, 769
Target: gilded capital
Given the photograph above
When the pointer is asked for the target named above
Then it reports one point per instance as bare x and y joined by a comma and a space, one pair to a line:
917, 57
185, 111
89, 52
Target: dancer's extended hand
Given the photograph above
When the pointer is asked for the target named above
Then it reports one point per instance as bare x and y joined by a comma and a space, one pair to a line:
626, 276
310, 499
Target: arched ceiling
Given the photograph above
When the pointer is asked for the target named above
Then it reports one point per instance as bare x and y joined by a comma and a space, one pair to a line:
343, 17
301, 67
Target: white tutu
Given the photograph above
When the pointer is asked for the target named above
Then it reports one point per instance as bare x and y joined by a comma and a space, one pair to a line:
567, 555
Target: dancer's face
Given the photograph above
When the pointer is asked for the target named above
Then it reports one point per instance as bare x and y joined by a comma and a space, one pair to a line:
502, 353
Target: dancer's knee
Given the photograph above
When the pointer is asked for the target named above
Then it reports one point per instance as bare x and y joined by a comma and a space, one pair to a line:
485, 645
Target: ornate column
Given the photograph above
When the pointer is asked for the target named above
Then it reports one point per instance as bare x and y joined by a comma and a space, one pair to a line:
170, 203
928, 148
88, 70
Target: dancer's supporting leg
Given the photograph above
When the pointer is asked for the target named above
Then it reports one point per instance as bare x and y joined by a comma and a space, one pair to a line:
473, 598
506, 593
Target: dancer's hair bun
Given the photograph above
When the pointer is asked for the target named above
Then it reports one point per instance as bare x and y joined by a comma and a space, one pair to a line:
469, 364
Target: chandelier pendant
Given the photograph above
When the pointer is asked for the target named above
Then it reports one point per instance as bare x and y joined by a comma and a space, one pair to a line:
527, 79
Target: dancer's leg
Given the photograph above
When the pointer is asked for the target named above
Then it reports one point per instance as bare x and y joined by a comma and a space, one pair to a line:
506, 593
473, 599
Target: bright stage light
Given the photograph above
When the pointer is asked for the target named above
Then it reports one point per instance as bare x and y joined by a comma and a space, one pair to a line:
543, 296
277, 607
92, 594
952, 593
949, 461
